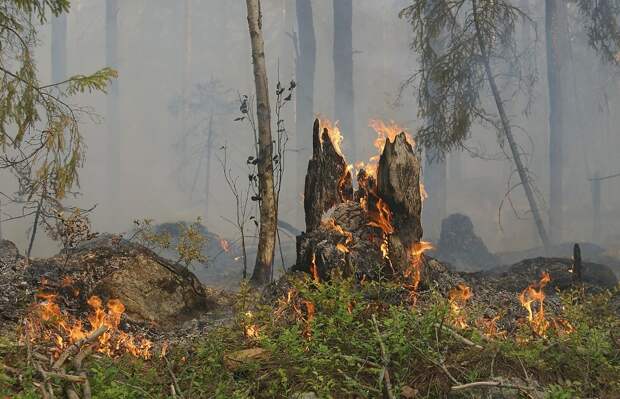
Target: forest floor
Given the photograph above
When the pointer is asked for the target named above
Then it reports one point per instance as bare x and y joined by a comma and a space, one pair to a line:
307, 339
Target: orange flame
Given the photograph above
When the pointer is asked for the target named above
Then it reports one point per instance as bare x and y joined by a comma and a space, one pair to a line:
415, 265
314, 269
47, 321
534, 293
333, 131
225, 245
458, 297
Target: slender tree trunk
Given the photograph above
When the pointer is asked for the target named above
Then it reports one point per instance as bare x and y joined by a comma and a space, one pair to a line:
343, 72
208, 164
556, 27
59, 48
435, 184
112, 106
268, 216
508, 132
187, 61
304, 105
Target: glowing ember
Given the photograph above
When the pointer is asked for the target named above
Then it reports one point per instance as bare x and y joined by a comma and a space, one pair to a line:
535, 294
333, 131
342, 248
48, 322
458, 297
225, 245
310, 310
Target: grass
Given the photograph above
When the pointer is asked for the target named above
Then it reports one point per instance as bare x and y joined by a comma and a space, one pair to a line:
320, 338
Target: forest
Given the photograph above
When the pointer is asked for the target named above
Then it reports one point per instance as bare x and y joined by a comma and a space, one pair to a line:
309, 199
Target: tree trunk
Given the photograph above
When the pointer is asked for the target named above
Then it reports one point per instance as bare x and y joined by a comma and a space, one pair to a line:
435, 183
59, 48
208, 164
508, 133
556, 29
268, 216
304, 73
112, 106
343, 72
187, 61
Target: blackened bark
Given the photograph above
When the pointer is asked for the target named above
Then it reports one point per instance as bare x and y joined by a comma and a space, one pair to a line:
328, 182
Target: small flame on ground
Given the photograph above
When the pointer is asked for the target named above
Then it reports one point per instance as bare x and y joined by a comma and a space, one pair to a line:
414, 272
314, 269
225, 245
47, 321
534, 293
458, 297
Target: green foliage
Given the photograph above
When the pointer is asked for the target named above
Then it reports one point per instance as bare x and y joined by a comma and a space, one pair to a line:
40, 139
189, 243
601, 25
451, 81
331, 348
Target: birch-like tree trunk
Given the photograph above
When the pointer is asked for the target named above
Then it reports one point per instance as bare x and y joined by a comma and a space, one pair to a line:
305, 67
343, 73
268, 216
112, 106
556, 28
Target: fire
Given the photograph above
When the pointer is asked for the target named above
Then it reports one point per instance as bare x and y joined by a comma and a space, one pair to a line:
342, 248
458, 297
415, 262
382, 218
225, 245
47, 321
535, 293
310, 310
489, 327
314, 269
333, 131
387, 131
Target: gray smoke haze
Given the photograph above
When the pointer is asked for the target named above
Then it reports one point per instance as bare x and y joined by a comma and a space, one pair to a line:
163, 169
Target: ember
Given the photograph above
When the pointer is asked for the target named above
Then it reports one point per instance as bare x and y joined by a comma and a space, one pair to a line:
225, 245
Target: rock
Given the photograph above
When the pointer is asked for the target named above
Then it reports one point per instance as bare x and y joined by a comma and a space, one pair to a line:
153, 289
9, 253
461, 247
236, 360
515, 277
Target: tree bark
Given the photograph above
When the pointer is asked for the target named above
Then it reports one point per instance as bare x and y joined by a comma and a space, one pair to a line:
327, 182
343, 72
435, 183
268, 216
112, 108
556, 29
508, 132
304, 73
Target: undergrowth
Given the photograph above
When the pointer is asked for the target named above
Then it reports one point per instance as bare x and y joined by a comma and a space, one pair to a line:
322, 338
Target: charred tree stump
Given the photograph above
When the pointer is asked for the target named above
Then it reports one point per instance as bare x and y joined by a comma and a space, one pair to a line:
328, 182
347, 230
398, 184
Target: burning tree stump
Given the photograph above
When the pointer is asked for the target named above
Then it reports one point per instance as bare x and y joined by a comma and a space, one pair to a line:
398, 184
328, 182
369, 231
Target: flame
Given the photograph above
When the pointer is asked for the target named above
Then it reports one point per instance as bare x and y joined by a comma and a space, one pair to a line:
342, 248
333, 131
314, 269
48, 322
489, 327
310, 311
414, 271
225, 245
535, 293
458, 297
382, 218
